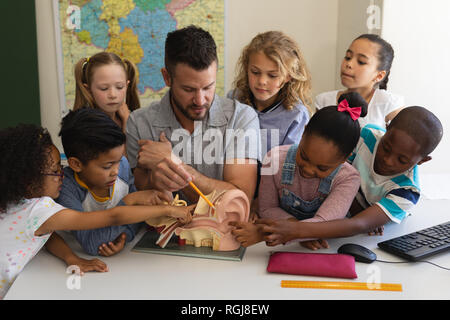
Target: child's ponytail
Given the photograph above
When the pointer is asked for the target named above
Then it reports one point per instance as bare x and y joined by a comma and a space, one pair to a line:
132, 98
83, 97
355, 100
339, 124
383, 83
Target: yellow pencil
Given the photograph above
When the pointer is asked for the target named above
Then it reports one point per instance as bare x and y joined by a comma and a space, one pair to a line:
201, 194
341, 285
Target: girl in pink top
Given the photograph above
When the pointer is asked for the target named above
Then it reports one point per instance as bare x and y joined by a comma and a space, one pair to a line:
310, 181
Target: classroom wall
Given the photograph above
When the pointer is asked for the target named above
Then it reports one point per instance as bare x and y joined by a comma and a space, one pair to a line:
420, 71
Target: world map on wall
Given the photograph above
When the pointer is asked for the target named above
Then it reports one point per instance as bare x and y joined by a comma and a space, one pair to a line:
135, 30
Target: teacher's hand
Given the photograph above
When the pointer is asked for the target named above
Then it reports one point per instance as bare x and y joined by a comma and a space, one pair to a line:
152, 152
170, 175
167, 170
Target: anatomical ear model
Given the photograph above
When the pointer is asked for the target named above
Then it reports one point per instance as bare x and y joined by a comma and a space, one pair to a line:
166, 225
209, 227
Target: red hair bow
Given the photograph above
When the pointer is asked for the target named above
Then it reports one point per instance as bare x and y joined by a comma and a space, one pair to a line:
355, 113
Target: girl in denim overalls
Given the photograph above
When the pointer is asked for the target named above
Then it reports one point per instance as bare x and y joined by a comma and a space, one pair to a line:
310, 181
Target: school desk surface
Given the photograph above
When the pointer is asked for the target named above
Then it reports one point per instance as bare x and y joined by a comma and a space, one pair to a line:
136, 275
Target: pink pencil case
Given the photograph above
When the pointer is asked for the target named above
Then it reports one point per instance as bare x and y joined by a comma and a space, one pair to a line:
313, 264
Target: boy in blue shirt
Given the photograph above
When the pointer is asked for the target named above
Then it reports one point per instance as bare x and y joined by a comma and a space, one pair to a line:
99, 177
387, 162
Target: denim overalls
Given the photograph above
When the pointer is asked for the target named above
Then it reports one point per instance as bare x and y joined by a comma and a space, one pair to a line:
292, 203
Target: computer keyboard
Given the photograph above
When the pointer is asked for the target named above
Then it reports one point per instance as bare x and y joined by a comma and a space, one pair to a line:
420, 244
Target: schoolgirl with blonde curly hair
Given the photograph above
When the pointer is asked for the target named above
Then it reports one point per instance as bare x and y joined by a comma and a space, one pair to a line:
273, 78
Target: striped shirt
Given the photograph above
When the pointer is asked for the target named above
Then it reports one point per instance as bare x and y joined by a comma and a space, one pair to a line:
395, 195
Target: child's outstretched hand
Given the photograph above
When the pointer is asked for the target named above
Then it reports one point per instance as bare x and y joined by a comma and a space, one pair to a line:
148, 198
247, 233
315, 244
58, 247
182, 213
278, 231
111, 248
87, 265
377, 231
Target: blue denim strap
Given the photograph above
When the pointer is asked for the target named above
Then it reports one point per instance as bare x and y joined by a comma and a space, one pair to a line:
325, 183
288, 172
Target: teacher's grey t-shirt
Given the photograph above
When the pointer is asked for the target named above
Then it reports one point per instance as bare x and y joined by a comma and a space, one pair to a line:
230, 130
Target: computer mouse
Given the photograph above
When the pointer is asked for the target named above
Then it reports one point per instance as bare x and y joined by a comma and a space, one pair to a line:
361, 254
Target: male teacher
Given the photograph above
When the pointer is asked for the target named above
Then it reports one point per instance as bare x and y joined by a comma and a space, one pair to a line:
192, 134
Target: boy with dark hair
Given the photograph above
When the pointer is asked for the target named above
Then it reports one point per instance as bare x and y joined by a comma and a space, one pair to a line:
387, 162
99, 177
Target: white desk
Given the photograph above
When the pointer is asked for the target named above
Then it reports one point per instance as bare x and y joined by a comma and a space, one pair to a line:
136, 275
